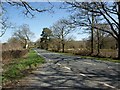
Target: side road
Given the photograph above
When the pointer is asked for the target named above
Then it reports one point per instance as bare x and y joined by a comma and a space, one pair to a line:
71, 73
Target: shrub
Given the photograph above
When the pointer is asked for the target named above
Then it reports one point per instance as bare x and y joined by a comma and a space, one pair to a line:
78, 51
7, 56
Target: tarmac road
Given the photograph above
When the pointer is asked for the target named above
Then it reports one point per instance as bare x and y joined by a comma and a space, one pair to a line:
63, 72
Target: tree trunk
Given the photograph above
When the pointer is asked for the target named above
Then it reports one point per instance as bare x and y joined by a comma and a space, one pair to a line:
98, 43
26, 44
58, 46
63, 45
119, 47
92, 28
119, 30
46, 45
91, 41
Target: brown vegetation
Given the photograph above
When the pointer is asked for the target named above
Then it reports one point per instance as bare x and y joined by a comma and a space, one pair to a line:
11, 51
83, 48
7, 56
108, 47
85, 52
12, 46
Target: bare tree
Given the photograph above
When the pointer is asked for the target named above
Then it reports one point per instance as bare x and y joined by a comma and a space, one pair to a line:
60, 30
110, 13
24, 34
4, 24
83, 18
29, 10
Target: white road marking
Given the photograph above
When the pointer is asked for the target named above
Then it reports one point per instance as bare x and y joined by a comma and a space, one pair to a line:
63, 66
58, 64
105, 84
82, 74
89, 63
67, 67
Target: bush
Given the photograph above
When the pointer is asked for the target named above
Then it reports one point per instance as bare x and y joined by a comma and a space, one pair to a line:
78, 52
7, 56
109, 53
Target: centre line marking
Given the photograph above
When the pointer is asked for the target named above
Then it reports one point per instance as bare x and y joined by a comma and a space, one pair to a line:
89, 63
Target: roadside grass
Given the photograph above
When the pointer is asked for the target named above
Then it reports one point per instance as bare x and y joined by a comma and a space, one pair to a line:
65, 53
19, 68
102, 59
93, 57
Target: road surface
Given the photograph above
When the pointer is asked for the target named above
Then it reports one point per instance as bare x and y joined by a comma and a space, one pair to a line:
63, 72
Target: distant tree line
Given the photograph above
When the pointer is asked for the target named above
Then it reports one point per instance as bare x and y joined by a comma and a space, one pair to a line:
100, 19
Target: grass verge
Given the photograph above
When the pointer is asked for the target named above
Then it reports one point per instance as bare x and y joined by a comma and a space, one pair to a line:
102, 59
20, 67
93, 57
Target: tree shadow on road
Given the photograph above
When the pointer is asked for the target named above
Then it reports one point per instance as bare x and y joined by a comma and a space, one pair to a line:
54, 77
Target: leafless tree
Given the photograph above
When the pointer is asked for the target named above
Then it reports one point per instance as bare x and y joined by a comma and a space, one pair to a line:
24, 34
29, 10
60, 30
110, 13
